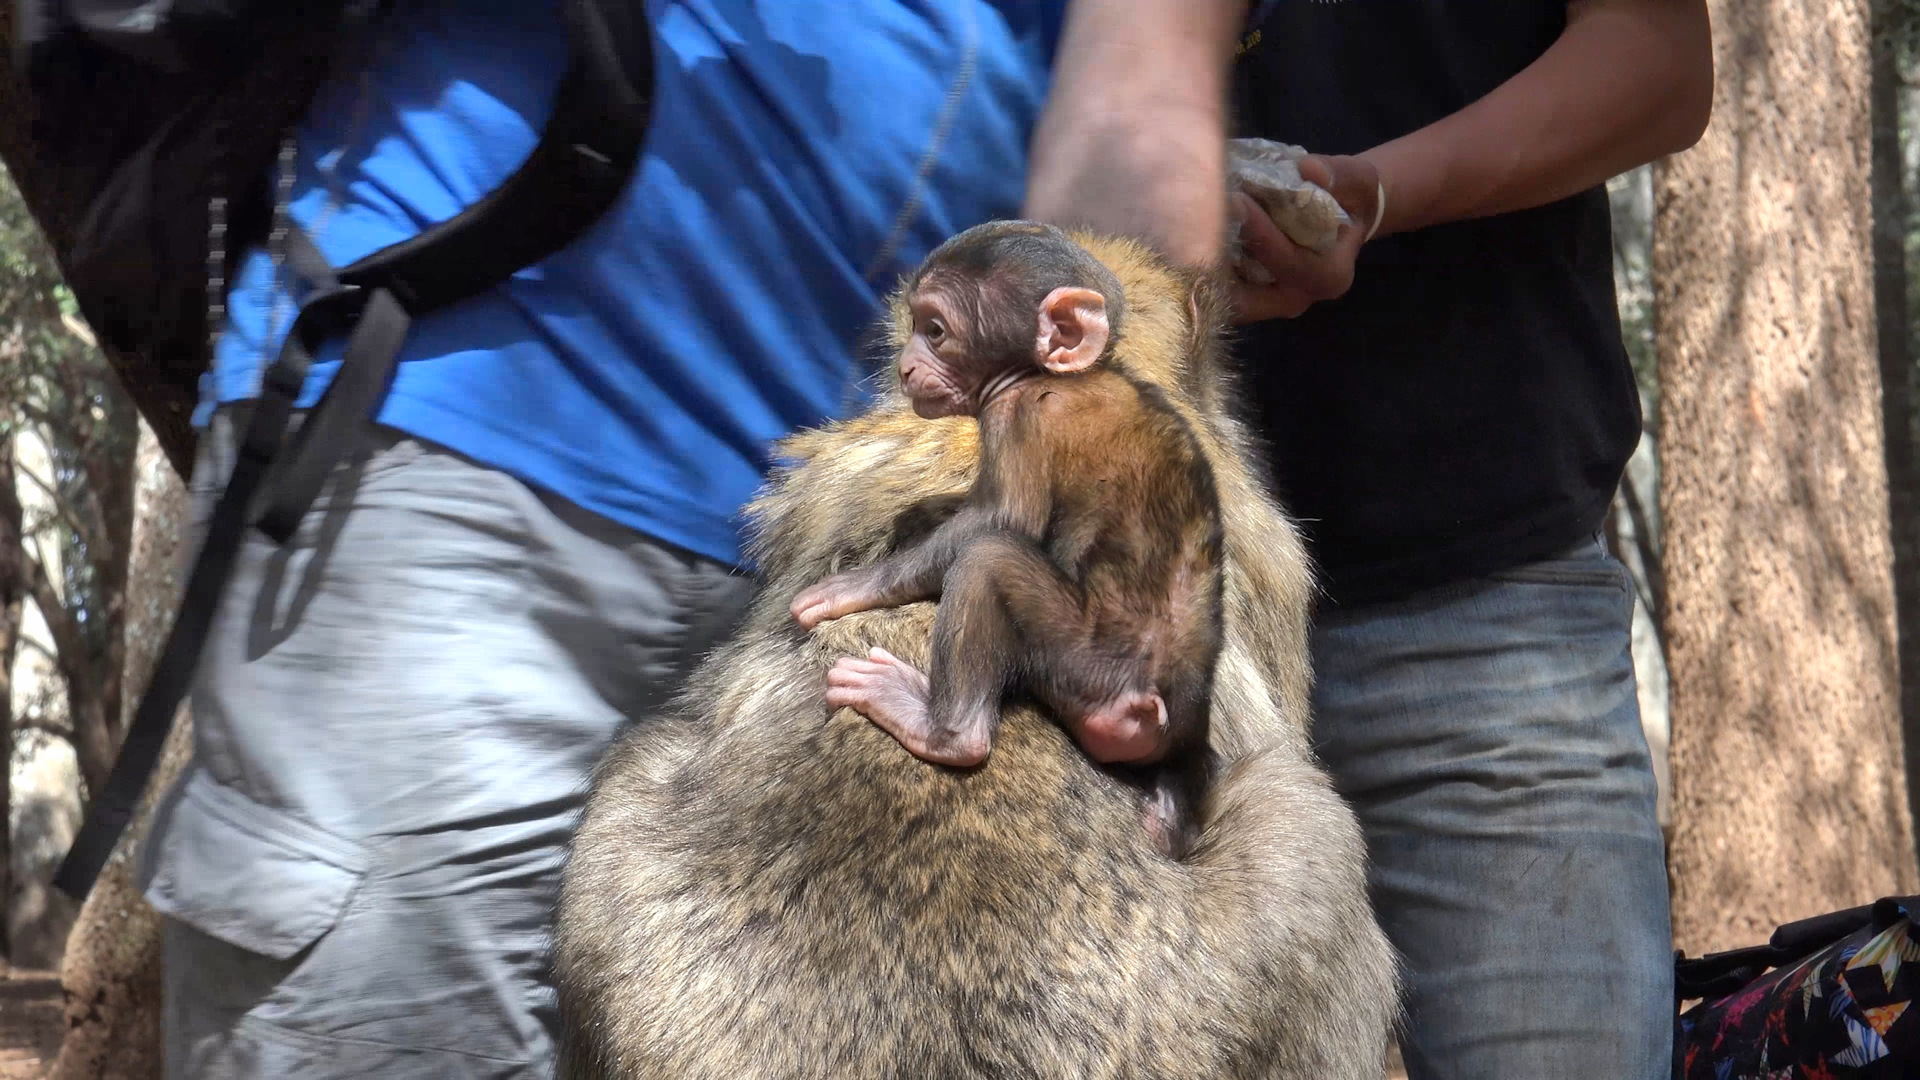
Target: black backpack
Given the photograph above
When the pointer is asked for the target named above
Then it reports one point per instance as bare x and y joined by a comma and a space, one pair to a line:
161, 122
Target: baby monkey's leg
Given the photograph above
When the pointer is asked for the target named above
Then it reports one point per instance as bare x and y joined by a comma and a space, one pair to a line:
912, 573
1019, 619
949, 715
1127, 727
1180, 780
893, 694
1005, 611
1104, 696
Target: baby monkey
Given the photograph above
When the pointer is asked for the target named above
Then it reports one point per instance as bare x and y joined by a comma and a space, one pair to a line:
1084, 566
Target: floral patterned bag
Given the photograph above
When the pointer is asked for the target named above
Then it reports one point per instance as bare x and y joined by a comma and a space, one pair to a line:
1828, 997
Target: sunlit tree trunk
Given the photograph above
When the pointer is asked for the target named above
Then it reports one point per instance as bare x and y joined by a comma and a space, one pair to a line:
112, 970
111, 973
12, 593
1890, 213
104, 443
1789, 796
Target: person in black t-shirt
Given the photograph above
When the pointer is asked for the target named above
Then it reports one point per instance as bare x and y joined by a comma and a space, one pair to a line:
1448, 408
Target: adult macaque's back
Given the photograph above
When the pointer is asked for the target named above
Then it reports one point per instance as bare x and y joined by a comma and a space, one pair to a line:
762, 891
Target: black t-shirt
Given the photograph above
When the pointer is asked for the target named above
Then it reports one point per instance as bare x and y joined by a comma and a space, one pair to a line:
1468, 406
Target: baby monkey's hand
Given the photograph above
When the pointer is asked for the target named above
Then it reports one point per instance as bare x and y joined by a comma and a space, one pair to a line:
841, 594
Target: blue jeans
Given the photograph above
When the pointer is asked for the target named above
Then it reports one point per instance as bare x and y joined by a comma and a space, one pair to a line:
1488, 735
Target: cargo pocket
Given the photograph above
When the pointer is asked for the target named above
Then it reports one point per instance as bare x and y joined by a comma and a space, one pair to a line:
253, 876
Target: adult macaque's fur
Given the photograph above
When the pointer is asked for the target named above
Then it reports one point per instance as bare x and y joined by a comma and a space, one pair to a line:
763, 891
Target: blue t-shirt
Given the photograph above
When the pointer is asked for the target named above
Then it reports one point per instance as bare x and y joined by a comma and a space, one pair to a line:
802, 155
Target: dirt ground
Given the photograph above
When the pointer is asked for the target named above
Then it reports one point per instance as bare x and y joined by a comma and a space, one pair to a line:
31, 1023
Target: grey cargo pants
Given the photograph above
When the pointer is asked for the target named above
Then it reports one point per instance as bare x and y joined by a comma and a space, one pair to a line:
395, 721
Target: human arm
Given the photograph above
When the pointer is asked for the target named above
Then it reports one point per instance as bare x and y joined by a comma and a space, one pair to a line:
1627, 81
1133, 138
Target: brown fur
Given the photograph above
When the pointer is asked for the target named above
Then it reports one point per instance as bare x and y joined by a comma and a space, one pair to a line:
763, 891
1084, 567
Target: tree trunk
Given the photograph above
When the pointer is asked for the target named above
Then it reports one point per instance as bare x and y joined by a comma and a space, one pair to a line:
112, 969
1789, 795
1890, 213
156, 571
12, 599
106, 444
111, 974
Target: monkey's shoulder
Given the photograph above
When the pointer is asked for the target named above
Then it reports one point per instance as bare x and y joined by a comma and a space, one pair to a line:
1105, 407
1059, 396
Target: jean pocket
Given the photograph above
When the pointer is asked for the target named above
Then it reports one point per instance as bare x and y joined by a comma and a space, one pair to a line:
251, 875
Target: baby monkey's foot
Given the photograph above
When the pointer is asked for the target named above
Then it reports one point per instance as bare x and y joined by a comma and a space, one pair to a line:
893, 694
1129, 730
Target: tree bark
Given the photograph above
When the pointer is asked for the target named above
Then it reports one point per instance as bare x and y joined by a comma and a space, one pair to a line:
112, 970
111, 974
1890, 213
94, 434
12, 592
1789, 794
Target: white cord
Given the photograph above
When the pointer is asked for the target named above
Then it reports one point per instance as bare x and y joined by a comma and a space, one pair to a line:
1379, 209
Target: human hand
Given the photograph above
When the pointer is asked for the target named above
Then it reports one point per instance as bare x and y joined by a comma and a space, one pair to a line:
1302, 278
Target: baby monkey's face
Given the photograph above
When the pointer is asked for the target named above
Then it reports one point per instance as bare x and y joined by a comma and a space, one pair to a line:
996, 305
942, 368
954, 365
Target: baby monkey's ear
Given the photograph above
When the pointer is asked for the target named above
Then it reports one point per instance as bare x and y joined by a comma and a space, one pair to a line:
1073, 330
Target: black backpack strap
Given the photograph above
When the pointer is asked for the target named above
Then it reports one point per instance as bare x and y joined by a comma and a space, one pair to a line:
1717, 974
338, 420
585, 156
113, 806
576, 172
579, 169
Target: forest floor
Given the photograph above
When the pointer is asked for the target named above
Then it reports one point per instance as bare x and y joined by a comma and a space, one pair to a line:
31, 1023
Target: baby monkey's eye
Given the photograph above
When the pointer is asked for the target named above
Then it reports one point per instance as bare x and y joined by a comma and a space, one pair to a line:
936, 330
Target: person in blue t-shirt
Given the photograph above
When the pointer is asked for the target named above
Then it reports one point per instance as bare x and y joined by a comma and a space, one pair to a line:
397, 712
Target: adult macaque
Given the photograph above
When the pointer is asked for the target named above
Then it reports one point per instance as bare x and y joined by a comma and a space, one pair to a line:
766, 888
1084, 566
